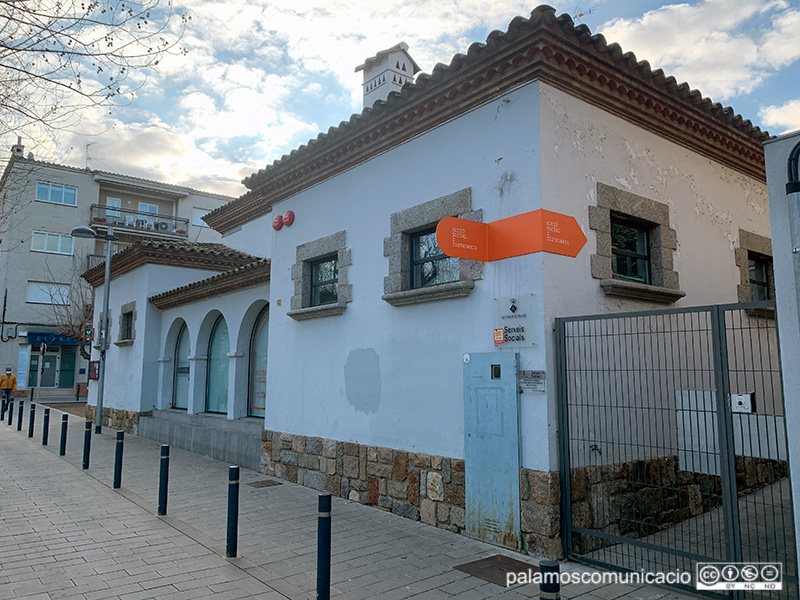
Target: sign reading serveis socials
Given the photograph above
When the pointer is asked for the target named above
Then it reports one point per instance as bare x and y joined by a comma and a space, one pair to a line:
513, 321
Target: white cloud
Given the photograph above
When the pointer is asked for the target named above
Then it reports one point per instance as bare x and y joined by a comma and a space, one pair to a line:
781, 46
786, 117
714, 45
233, 103
263, 76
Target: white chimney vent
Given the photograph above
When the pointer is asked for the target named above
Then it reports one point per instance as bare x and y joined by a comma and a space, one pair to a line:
18, 149
386, 72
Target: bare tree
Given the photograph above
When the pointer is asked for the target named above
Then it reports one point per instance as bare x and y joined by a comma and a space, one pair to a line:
59, 57
71, 306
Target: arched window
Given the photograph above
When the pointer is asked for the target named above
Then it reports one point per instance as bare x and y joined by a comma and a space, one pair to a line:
217, 381
180, 386
258, 365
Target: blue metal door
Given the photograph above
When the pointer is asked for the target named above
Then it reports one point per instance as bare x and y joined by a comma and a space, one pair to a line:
491, 423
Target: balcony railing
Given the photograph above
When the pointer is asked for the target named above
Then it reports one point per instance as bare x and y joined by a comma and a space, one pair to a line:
134, 221
92, 260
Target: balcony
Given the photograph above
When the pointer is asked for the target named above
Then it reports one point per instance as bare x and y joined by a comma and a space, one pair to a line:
125, 220
92, 260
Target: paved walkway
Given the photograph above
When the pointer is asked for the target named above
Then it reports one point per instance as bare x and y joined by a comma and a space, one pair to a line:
65, 533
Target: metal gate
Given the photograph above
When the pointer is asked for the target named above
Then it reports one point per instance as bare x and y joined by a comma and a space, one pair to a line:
673, 441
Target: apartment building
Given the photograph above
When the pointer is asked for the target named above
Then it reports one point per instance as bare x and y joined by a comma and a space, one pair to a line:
45, 300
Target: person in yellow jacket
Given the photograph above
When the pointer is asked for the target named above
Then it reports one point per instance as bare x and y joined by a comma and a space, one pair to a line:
8, 383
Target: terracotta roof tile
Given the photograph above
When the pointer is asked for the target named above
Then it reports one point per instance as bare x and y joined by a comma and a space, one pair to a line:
194, 255
249, 275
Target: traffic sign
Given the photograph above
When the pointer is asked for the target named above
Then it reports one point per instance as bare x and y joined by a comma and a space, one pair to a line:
537, 231
88, 334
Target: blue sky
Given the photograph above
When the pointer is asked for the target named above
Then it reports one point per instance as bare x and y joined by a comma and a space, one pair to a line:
264, 76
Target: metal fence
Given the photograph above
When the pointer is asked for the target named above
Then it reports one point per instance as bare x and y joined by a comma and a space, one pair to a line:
673, 440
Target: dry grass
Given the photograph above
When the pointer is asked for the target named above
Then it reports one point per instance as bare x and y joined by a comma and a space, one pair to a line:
75, 408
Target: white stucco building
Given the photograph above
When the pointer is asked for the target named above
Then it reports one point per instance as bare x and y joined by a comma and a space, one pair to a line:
360, 386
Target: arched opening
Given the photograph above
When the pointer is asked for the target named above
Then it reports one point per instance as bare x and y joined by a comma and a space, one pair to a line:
217, 373
180, 379
257, 391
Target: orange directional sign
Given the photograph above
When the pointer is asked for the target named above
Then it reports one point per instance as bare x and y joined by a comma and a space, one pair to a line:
537, 231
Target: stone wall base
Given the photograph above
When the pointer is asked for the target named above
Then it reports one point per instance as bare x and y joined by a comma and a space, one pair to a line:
117, 418
421, 487
640, 498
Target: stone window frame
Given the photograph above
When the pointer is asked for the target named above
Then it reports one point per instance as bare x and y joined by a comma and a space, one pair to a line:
664, 284
397, 248
308, 253
124, 311
752, 243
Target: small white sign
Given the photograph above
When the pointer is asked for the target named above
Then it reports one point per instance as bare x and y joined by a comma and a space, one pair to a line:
533, 381
513, 321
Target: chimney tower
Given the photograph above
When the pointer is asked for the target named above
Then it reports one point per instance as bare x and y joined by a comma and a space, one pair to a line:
386, 72
18, 149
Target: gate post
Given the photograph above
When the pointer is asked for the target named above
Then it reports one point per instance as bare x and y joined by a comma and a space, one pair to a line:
727, 458
563, 436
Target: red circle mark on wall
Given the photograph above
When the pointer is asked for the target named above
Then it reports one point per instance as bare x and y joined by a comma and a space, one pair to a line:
288, 218
277, 223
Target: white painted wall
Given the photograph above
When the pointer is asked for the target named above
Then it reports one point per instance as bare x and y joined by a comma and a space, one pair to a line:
785, 217
708, 204
185, 207
131, 377
417, 349
413, 353
254, 237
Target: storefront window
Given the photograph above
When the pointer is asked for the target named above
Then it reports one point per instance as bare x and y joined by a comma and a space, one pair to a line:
217, 385
258, 365
57, 366
180, 390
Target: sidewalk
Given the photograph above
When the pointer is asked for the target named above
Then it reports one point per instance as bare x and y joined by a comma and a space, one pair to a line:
65, 533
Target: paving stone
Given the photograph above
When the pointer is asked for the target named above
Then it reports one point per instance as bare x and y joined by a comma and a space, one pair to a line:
64, 533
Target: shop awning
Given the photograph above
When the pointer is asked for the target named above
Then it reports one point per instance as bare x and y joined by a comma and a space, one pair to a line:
48, 337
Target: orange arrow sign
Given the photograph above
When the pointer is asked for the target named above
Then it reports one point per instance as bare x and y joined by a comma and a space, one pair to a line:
537, 231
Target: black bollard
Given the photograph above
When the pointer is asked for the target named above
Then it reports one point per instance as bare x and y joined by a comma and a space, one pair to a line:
87, 443
10, 411
324, 548
550, 586
163, 480
46, 426
31, 420
19, 415
3, 408
62, 449
233, 511
118, 460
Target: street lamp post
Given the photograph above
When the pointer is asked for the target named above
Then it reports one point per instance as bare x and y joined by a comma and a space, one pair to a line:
86, 232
